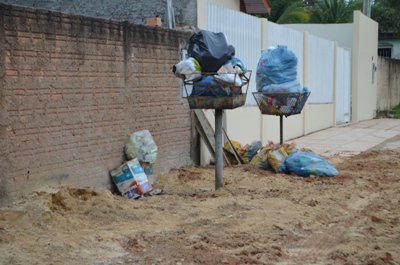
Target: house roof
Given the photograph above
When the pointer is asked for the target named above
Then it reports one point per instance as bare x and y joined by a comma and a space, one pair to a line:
255, 6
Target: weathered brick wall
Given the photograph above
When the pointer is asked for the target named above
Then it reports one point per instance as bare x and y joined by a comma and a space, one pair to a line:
388, 83
72, 90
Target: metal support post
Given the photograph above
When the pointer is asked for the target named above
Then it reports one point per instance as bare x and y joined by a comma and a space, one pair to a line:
281, 127
218, 150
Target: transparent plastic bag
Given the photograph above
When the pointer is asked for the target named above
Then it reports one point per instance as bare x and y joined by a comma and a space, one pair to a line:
276, 158
188, 69
276, 66
251, 151
229, 74
236, 62
292, 86
141, 146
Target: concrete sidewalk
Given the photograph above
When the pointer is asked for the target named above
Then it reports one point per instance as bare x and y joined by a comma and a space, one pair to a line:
352, 139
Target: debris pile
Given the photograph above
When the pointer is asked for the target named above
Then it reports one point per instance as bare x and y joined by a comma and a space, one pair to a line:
131, 177
281, 158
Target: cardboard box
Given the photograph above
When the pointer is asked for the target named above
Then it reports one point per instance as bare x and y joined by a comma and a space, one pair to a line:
131, 180
153, 21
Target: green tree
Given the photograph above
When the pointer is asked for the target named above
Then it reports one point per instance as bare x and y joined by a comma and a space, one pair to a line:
314, 11
288, 11
334, 11
295, 13
387, 14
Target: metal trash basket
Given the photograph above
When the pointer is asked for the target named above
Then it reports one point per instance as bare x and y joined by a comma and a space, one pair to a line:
281, 103
209, 98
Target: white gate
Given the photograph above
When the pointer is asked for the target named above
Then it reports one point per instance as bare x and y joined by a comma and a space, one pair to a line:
343, 85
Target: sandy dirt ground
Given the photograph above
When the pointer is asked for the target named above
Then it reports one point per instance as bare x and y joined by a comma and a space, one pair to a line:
258, 217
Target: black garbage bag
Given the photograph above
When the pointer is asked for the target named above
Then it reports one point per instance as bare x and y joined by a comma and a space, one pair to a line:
210, 49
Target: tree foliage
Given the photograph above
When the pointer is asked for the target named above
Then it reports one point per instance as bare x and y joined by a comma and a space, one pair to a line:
334, 11
295, 13
313, 11
288, 11
387, 14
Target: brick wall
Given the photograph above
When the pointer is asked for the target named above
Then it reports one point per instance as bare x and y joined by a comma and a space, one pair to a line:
72, 90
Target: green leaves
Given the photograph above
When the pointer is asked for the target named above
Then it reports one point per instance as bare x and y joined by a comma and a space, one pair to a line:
313, 11
334, 11
387, 14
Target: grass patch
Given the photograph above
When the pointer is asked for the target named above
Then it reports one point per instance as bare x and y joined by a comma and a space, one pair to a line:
397, 112
393, 113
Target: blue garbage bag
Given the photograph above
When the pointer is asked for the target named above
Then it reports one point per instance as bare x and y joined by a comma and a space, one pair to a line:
276, 66
209, 86
292, 86
237, 62
305, 164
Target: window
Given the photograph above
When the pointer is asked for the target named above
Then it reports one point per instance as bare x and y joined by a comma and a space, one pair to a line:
385, 52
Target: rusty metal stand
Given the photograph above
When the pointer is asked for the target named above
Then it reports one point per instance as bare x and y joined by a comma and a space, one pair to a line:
208, 98
281, 128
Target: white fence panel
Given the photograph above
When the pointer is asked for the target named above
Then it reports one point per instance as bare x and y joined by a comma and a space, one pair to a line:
293, 39
320, 69
244, 33
343, 85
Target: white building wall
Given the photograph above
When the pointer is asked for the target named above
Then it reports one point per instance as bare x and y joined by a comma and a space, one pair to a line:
341, 33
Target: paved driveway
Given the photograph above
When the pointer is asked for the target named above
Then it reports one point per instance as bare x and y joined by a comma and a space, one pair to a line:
351, 139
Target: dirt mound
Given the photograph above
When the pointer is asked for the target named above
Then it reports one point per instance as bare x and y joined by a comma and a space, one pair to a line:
257, 217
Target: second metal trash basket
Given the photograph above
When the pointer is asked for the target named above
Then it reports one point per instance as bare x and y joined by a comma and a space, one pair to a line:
281, 104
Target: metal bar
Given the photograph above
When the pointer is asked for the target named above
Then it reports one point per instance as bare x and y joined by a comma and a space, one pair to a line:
218, 150
207, 133
367, 8
281, 127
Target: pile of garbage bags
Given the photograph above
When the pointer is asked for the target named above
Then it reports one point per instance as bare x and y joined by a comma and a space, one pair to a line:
211, 66
284, 158
277, 73
290, 159
246, 152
